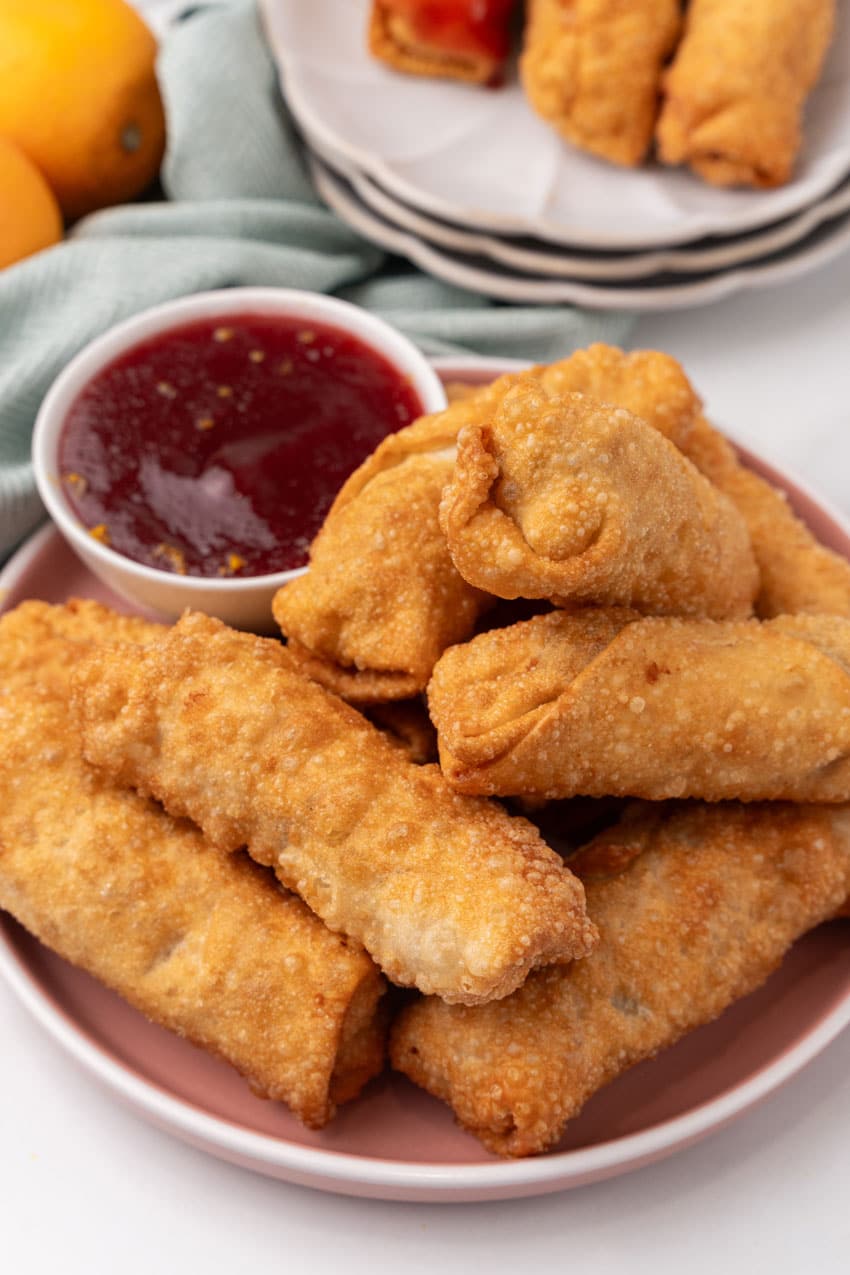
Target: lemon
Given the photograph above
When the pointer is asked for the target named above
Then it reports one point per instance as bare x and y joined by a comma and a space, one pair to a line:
29, 214
79, 96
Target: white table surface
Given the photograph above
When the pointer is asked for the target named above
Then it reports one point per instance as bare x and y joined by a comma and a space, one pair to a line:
87, 1186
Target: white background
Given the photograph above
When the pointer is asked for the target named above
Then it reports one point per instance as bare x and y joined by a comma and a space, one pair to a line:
87, 1186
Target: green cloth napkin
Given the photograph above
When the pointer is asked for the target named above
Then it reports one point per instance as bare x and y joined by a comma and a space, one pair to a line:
240, 210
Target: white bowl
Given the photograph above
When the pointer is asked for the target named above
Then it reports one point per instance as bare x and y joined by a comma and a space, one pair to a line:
244, 602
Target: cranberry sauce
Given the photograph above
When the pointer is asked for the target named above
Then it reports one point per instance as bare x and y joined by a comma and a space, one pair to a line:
216, 448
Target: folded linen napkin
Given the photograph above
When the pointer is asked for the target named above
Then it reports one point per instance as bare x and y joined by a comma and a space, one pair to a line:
239, 209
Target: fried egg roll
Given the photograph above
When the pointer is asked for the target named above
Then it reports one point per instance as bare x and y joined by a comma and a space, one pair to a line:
451, 39
451, 895
203, 943
564, 497
606, 703
382, 599
696, 907
592, 69
735, 91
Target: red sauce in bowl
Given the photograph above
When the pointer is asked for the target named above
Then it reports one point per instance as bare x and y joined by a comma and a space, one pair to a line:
217, 447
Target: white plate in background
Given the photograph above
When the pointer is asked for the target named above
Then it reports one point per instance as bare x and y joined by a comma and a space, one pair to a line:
657, 293
530, 256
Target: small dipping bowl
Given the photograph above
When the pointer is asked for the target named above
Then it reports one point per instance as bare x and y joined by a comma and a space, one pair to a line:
242, 600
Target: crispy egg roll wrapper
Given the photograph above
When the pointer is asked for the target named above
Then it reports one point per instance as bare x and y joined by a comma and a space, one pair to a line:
448, 894
407, 724
605, 703
565, 497
735, 91
465, 40
203, 943
592, 69
797, 574
382, 599
695, 908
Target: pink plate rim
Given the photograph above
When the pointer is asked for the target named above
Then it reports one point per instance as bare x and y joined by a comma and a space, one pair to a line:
371, 1176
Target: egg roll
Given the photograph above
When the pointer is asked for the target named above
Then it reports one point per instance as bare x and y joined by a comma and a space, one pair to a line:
592, 69
735, 91
382, 599
562, 496
696, 907
607, 703
450, 39
451, 895
203, 943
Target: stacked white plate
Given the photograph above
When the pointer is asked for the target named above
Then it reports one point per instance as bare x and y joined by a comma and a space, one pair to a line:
470, 185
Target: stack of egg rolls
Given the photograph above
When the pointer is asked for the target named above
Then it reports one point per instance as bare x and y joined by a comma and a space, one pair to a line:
695, 644
383, 599
202, 942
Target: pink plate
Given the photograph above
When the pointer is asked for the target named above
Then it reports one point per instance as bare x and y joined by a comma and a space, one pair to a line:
396, 1142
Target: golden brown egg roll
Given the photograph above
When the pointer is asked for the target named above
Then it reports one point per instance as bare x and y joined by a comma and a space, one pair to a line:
797, 573
592, 69
203, 943
382, 599
452, 39
564, 497
605, 703
734, 94
696, 907
450, 895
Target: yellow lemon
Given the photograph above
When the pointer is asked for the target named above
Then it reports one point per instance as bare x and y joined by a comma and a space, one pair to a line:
78, 94
29, 214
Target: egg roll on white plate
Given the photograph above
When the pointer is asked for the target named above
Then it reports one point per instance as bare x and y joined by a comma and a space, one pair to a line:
735, 91
592, 69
